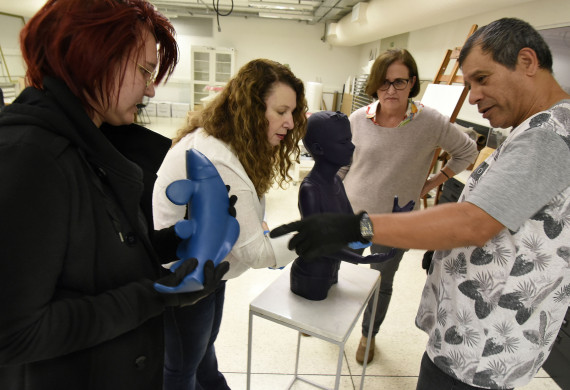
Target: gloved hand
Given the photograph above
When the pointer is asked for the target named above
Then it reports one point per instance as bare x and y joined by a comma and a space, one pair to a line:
212, 277
426, 260
233, 200
321, 234
407, 207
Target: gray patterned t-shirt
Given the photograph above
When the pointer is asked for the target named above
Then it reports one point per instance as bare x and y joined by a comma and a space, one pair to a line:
492, 313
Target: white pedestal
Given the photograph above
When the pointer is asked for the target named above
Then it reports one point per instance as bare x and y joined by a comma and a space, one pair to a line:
331, 319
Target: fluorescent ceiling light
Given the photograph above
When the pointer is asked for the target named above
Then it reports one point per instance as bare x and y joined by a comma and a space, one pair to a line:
279, 6
277, 15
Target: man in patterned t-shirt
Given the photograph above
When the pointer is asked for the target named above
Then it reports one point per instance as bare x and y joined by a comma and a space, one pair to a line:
499, 283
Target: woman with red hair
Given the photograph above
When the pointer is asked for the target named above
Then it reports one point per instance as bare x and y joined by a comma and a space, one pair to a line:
78, 252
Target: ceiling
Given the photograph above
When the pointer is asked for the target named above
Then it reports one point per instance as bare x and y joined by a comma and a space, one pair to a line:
348, 22
308, 11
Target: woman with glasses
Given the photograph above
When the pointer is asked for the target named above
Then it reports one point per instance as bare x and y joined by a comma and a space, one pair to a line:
78, 254
395, 139
250, 132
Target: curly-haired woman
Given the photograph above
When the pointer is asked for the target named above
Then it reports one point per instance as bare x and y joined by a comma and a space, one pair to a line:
250, 132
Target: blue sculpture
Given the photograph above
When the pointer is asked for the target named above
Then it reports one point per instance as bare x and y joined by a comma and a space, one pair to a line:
211, 231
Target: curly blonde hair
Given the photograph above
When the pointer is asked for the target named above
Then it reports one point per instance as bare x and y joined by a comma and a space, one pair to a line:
237, 117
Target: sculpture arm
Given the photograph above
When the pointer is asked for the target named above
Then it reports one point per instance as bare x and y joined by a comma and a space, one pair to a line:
355, 258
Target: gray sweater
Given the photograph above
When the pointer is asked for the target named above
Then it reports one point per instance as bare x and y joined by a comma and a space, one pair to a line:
395, 161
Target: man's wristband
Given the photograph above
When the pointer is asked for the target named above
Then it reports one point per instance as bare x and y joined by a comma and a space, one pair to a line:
445, 174
366, 228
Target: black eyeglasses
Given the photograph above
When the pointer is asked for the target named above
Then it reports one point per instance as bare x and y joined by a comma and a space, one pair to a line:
398, 84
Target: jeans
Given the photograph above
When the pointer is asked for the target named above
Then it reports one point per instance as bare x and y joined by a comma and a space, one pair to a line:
432, 378
388, 270
190, 361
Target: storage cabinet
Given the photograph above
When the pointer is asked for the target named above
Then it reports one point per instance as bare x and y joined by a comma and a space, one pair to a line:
211, 70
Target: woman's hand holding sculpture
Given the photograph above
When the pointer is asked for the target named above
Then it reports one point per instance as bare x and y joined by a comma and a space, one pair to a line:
212, 277
407, 207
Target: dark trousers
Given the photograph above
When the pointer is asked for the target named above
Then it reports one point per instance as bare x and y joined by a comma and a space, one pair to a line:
387, 272
432, 378
190, 358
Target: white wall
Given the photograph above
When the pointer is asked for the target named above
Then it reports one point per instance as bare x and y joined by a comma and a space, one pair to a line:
299, 45
295, 43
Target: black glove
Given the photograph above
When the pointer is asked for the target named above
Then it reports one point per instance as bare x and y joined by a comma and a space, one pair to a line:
233, 200
407, 207
212, 277
426, 260
321, 234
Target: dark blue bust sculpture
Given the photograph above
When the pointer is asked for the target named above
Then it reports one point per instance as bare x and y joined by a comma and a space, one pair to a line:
328, 139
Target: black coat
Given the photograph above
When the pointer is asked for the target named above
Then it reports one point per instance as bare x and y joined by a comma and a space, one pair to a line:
77, 306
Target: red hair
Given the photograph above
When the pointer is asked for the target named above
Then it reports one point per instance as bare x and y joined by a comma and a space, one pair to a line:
84, 43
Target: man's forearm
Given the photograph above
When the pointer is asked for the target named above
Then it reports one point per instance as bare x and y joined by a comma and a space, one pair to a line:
444, 226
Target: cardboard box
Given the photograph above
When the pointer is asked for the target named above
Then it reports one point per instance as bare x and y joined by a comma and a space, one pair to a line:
483, 154
180, 110
163, 109
151, 109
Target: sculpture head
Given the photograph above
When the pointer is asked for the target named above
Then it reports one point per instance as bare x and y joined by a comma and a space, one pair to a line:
329, 138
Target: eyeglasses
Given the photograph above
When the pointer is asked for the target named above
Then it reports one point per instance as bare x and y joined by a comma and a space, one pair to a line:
398, 84
151, 75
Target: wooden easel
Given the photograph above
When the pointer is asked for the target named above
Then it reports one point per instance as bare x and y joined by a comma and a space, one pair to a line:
448, 79
452, 77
